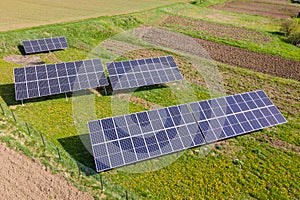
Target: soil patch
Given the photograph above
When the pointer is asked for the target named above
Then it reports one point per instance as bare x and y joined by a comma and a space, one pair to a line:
24, 60
268, 9
265, 63
216, 30
23, 178
138, 101
282, 144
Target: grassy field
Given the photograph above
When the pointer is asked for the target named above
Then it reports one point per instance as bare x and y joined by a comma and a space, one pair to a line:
21, 14
261, 165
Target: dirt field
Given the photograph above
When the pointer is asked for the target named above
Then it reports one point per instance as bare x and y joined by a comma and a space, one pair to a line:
270, 8
216, 30
22, 178
17, 14
265, 63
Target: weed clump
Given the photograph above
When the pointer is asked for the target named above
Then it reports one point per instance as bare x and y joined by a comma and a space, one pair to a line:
291, 31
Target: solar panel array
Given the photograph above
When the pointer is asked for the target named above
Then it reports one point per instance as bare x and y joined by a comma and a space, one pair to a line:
143, 72
126, 139
45, 44
44, 80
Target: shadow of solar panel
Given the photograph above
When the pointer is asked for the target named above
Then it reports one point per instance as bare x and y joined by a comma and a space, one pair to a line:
46, 44
143, 72
45, 80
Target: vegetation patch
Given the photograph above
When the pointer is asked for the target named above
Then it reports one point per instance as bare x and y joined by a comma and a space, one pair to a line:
291, 30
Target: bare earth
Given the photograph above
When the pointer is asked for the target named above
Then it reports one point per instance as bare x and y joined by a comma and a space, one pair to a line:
262, 8
22, 178
260, 62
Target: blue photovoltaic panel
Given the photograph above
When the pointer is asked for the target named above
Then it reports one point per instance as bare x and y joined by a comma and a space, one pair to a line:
126, 139
137, 73
235, 115
45, 80
45, 44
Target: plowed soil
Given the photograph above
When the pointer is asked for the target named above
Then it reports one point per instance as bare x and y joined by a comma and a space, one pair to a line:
216, 30
265, 63
22, 178
260, 8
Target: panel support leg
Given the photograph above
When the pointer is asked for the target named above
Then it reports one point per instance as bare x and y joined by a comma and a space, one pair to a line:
105, 92
22, 102
66, 96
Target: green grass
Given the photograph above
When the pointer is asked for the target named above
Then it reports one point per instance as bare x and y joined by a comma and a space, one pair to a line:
243, 168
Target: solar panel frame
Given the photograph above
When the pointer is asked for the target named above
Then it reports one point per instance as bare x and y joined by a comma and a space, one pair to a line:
50, 79
185, 126
45, 44
143, 72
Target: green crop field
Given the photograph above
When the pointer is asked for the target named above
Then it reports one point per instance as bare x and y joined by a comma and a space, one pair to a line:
260, 165
20, 14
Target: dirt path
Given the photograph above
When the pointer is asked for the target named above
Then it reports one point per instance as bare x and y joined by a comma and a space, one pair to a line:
22, 178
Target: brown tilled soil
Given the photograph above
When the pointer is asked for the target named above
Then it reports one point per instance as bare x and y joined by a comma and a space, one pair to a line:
22, 178
265, 63
269, 8
216, 30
